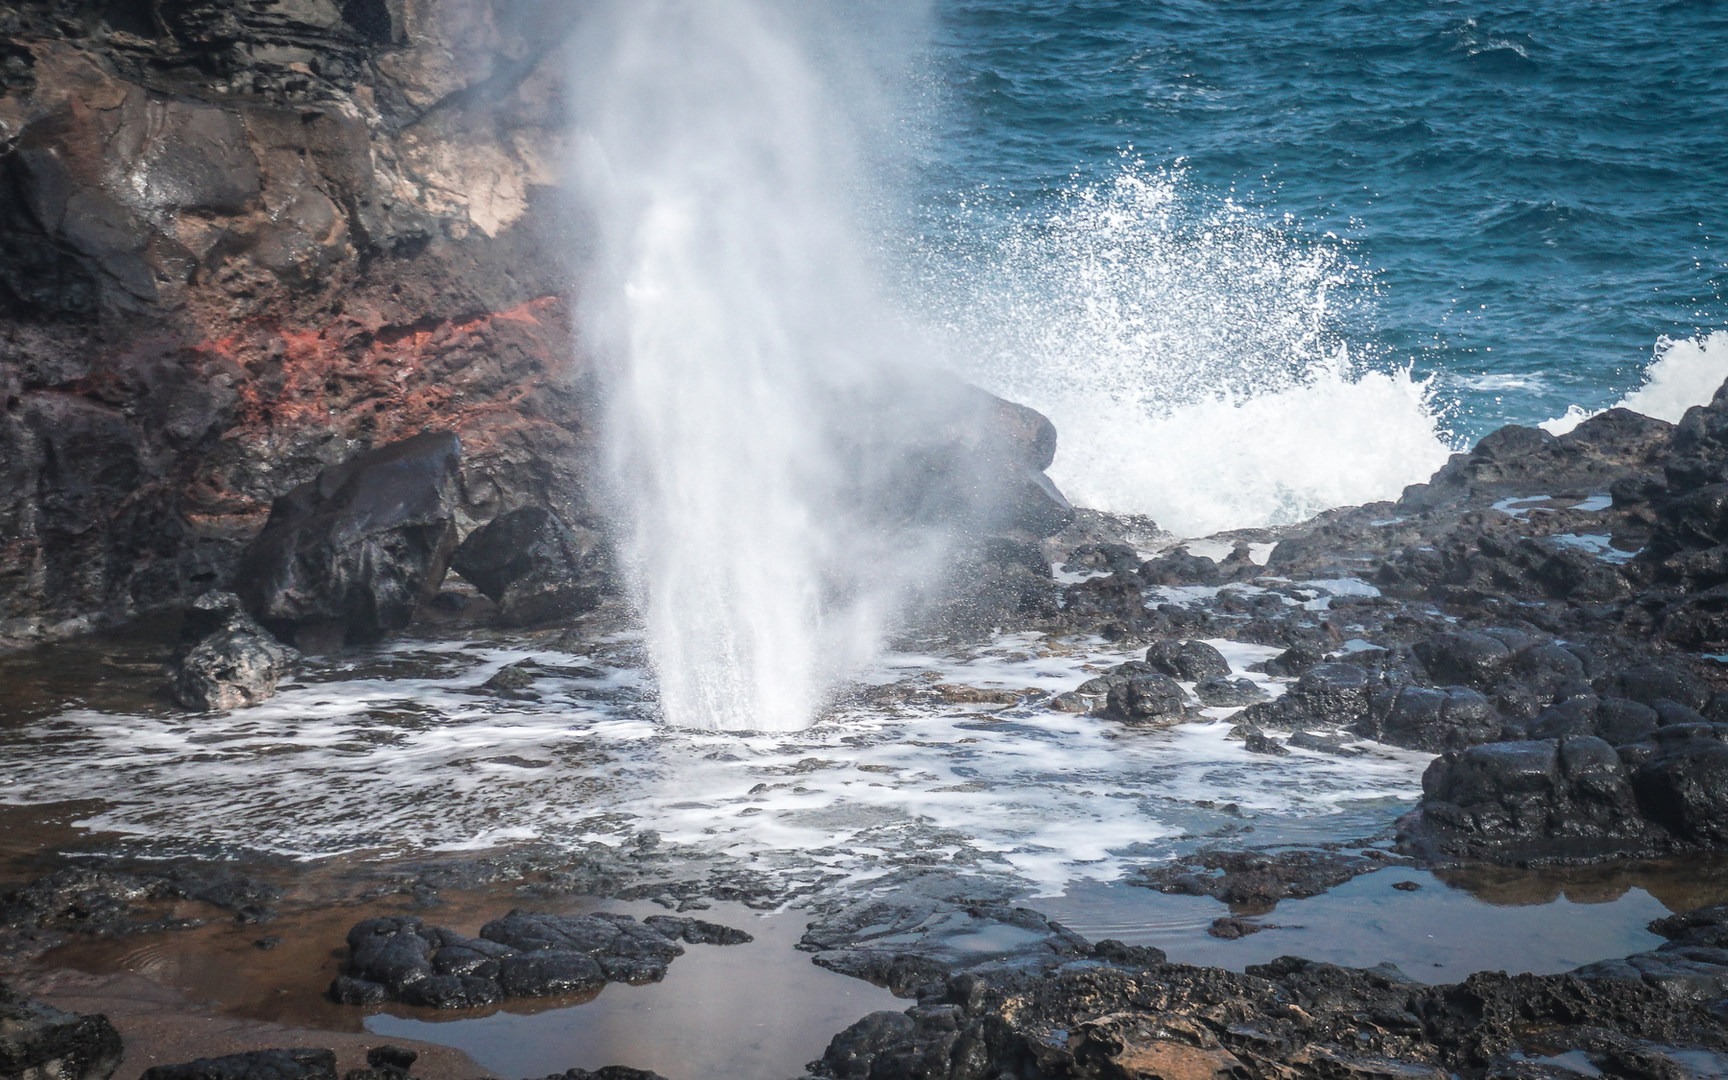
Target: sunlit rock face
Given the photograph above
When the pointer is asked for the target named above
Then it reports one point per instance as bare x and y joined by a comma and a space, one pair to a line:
239, 243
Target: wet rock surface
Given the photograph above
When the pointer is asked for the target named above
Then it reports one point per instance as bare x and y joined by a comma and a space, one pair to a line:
521, 955
1258, 879
253, 1065
1114, 1010
113, 902
39, 1042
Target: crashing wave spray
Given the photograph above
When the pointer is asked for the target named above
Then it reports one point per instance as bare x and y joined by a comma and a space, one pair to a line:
732, 308
1684, 372
1192, 354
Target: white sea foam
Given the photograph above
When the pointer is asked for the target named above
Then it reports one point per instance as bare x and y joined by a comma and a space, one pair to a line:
367, 761
1684, 373
1192, 355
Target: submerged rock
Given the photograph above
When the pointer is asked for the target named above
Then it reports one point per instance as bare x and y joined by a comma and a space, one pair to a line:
348, 557
39, 1042
1258, 878
226, 660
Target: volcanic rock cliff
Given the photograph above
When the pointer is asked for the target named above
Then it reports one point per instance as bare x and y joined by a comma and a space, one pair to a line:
239, 242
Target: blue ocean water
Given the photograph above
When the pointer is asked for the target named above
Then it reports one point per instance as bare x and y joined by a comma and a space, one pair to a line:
1520, 201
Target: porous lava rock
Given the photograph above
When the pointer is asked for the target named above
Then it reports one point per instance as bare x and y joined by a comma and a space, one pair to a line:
39, 1042
523, 954
349, 556
226, 660
534, 566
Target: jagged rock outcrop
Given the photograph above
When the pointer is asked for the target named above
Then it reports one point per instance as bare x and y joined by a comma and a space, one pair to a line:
240, 243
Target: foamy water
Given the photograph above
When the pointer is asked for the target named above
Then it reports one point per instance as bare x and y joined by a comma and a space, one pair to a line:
1194, 355
362, 760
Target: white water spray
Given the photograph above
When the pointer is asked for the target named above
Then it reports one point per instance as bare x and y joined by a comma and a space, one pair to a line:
731, 304
1193, 355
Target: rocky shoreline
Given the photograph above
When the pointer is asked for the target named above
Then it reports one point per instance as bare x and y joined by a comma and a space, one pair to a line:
285, 338
1565, 684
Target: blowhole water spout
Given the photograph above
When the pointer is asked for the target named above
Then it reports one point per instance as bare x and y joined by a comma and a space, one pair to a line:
733, 309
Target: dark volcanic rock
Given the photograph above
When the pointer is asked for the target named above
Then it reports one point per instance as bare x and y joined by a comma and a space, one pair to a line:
931, 926
111, 903
1117, 1015
1576, 797
1420, 718
1218, 691
38, 1042
1325, 696
254, 1065
1151, 699
1258, 878
1115, 1011
348, 557
226, 660
535, 567
522, 954
1189, 660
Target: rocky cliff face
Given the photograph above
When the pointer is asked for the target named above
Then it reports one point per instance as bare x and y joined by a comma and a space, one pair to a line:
239, 242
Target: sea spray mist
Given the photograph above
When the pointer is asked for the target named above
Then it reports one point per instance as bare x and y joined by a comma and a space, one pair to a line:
728, 297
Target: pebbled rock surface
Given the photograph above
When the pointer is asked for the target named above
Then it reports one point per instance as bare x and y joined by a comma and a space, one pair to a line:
523, 954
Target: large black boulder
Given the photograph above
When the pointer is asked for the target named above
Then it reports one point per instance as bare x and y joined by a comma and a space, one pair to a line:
348, 557
534, 566
1424, 718
1576, 797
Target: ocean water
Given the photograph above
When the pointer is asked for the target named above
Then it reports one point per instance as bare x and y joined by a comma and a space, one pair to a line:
1395, 226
